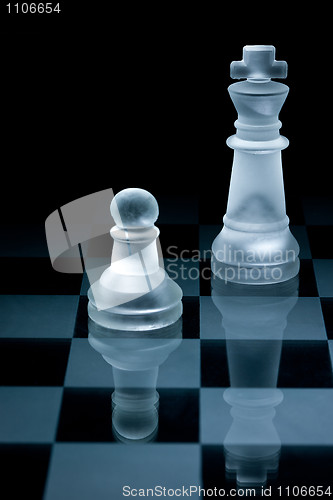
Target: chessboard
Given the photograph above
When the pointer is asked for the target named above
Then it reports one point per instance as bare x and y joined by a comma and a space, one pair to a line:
56, 433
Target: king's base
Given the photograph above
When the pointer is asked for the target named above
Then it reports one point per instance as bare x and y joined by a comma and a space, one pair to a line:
255, 275
256, 257
156, 309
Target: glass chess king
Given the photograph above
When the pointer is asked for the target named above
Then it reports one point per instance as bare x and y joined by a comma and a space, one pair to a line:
255, 244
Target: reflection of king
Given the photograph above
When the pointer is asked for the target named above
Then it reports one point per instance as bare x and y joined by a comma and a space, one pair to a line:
254, 319
252, 445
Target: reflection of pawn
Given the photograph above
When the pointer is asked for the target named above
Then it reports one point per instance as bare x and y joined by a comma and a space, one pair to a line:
135, 360
135, 405
135, 293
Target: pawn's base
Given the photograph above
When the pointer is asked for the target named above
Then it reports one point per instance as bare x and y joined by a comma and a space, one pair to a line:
158, 308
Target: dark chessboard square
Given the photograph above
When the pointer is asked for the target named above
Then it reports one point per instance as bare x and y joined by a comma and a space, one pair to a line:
178, 415
306, 466
320, 238
86, 415
36, 276
23, 470
327, 309
205, 277
213, 467
33, 362
214, 364
185, 273
81, 322
191, 317
305, 364
307, 279
207, 234
324, 275
179, 240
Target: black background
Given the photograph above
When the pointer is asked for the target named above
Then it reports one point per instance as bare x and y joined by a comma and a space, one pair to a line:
106, 96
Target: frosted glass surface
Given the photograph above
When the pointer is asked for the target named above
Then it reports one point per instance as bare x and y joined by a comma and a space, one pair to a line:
135, 292
134, 207
255, 245
258, 63
135, 361
256, 189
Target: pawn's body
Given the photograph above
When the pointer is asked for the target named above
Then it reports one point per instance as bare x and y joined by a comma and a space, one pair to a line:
135, 293
255, 244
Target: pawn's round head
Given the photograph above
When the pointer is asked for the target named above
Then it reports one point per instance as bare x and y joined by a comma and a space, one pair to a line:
134, 207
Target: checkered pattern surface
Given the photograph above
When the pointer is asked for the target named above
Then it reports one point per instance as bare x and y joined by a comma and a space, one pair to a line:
56, 438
